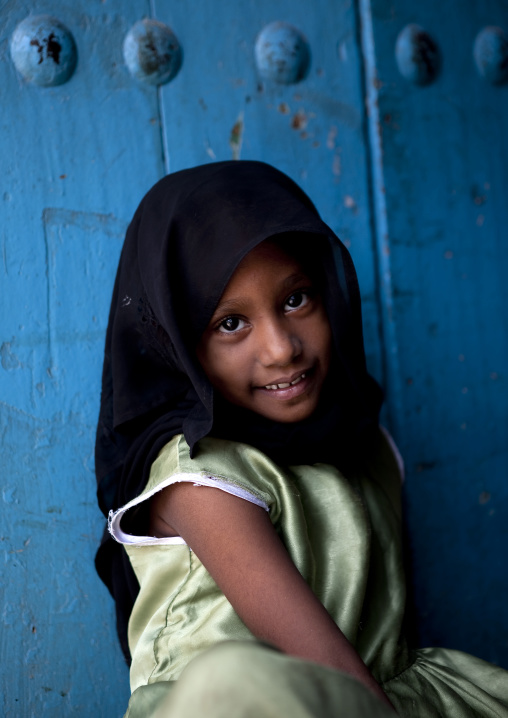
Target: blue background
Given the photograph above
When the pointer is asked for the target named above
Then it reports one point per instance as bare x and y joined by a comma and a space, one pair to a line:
412, 178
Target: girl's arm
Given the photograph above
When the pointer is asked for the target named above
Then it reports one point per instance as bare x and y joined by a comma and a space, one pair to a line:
236, 542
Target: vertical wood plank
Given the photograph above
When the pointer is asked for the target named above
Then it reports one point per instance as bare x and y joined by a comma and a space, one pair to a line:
76, 158
443, 152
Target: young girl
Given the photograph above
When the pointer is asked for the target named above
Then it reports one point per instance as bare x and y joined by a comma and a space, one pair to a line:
256, 498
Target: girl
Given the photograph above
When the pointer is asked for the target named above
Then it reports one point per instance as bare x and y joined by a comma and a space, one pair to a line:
258, 497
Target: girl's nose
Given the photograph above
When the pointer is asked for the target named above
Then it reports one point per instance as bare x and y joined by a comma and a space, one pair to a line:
277, 345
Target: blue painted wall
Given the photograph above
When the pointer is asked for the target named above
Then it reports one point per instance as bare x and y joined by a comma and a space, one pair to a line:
443, 188
75, 159
412, 178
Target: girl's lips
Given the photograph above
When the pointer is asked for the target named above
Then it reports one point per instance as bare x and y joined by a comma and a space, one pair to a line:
286, 384
292, 387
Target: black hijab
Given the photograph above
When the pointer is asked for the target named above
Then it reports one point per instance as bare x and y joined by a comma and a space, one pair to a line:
186, 239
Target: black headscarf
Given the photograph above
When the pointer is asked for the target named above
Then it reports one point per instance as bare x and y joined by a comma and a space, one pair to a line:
185, 241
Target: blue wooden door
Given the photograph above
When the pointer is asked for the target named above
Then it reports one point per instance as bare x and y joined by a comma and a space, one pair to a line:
77, 156
67, 153
440, 101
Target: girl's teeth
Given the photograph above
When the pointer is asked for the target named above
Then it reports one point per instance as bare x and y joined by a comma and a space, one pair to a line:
298, 379
285, 385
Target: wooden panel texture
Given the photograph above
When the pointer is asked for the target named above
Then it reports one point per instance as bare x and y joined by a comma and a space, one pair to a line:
418, 196
443, 187
75, 160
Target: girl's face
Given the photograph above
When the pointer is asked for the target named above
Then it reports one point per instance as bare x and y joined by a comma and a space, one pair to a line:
267, 347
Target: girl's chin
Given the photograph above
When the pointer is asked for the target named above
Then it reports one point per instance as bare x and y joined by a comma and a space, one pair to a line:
286, 410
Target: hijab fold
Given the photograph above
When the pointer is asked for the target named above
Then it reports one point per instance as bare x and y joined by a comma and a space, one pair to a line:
184, 243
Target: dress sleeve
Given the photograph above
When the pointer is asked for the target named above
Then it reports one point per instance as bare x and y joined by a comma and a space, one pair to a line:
235, 468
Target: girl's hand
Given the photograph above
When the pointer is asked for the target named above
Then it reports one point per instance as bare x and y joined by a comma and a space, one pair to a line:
238, 545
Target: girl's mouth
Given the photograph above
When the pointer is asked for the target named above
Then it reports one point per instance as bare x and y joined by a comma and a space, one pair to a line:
293, 387
285, 385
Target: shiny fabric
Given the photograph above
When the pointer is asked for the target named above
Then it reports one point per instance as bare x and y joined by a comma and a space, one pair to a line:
250, 680
343, 534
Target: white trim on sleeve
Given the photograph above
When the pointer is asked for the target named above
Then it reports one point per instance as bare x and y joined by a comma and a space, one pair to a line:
197, 479
396, 453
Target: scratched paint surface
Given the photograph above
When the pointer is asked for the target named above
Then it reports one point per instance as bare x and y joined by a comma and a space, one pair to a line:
444, 150
75, 160
85, 152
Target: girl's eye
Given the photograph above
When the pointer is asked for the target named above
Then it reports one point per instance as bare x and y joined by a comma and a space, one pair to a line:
296, 300
230, 325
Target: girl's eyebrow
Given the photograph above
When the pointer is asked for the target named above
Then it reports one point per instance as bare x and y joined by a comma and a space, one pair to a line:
294, 279
230, 305
235, 304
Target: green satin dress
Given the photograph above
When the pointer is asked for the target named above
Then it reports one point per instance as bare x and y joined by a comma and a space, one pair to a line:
344, 536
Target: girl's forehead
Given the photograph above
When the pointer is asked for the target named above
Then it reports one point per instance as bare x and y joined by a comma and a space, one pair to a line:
266, 271
268, 258
268, 252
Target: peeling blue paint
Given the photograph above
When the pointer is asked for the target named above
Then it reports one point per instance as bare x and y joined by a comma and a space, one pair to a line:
282, 53
410, 181
43, 51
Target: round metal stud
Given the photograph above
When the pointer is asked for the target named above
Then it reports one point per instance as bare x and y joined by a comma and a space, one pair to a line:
491, 55
417, 55
43, 51
152, 52
282, 53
